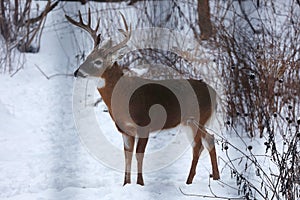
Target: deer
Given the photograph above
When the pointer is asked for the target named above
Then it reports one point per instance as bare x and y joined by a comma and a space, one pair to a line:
136, 125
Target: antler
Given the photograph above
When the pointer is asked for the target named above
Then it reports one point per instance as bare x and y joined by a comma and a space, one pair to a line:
126, 33
96, 37
87, 27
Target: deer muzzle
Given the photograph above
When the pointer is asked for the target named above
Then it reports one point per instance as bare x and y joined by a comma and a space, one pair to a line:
78, 73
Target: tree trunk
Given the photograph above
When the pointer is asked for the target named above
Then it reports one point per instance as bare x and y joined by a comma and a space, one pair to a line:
204, 19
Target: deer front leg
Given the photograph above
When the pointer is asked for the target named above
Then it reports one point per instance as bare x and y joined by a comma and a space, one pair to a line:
128, 151
140, 150
197, 149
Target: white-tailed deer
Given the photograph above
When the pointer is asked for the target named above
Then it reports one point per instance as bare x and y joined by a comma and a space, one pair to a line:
137, 124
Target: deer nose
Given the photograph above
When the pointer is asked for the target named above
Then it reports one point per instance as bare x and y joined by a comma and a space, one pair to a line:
76, 72
79, 73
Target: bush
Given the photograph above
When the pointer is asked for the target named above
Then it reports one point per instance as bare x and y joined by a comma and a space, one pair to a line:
21, 28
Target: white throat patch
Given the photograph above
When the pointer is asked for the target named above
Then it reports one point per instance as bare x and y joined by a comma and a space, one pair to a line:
101, 83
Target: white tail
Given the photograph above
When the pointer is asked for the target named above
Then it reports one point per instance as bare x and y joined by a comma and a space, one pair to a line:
129, 105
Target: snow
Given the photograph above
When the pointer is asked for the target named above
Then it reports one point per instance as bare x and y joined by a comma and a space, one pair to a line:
43, 158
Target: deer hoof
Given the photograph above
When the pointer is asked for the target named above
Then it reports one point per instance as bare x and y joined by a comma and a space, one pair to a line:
140, 181
215, 176
189, 181
126, 182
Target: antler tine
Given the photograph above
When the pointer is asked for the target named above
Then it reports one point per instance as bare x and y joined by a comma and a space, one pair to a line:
97, 26
80, 17
87, 27
89, 18
127, 35
124, 21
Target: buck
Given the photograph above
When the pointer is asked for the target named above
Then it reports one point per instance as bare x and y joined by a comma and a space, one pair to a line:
137, 124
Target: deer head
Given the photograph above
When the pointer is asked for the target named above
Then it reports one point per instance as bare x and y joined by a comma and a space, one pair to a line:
101, 56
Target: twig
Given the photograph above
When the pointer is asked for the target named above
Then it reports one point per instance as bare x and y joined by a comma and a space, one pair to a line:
226, 184
209, 196
51, 76
47, 9
246, 18
16, 72
97, 102
210, 189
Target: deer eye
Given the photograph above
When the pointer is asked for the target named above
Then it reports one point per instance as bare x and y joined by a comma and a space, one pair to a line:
98, 62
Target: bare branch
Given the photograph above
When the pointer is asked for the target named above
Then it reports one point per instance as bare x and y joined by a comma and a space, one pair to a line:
47, 9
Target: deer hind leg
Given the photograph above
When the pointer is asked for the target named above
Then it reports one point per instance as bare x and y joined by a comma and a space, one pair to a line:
128, 151
197, 149
209, 142
140, 150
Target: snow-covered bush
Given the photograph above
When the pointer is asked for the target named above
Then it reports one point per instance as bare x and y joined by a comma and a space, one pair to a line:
260, 67
21, 25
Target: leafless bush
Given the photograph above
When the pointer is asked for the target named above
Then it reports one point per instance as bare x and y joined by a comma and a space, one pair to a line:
21, 28
260, 67
273, 174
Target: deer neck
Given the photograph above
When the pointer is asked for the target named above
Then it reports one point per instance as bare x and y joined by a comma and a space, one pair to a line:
111, 76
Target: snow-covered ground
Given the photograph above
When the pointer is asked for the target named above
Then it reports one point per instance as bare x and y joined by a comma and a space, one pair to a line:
41, 154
